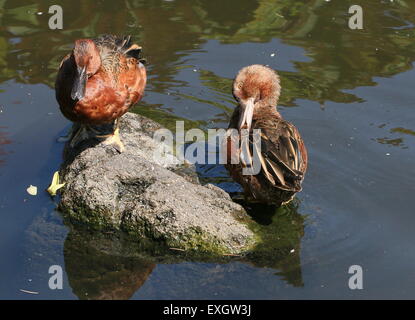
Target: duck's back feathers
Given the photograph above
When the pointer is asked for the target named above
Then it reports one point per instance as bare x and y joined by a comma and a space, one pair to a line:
112, 48
282, 155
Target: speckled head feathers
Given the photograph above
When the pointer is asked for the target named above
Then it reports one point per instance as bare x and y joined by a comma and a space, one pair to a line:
259, 82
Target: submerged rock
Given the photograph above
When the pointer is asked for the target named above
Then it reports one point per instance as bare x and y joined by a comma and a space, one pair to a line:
153, 200
109, 265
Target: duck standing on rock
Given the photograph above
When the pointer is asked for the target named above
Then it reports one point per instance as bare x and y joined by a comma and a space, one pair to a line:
280, 148
97, 83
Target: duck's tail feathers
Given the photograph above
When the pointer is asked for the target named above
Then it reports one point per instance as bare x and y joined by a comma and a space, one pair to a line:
126, 46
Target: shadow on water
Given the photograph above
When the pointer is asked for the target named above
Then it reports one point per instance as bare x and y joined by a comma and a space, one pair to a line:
280, 231
95, 273
109, 266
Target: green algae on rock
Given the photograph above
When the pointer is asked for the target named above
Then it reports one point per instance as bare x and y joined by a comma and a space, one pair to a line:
132, 193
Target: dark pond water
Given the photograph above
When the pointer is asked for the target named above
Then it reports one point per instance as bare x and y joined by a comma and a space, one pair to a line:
350, 93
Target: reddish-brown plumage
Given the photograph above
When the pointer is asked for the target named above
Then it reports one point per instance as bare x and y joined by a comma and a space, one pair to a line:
282, 156
100, 80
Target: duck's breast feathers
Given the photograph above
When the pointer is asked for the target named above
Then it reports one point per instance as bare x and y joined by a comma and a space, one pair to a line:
106, 95
282, 154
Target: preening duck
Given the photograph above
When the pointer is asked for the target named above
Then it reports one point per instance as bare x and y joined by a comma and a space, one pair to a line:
280, 150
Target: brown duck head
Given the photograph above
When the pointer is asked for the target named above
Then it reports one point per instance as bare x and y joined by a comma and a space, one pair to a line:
255, 87
88, 62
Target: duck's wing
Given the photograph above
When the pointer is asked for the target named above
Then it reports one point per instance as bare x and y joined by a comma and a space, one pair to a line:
131, 49
282, 153
64, 80
122, 45
230, 144
134, 79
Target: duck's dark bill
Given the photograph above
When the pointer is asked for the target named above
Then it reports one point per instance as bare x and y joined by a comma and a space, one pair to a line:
78, 89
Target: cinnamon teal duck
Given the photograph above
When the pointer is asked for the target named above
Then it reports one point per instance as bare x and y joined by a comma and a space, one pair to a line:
97, 83
280, 150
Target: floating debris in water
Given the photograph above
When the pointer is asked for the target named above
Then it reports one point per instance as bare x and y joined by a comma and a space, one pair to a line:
27, 291
55, 185
388, 154
32, 190
272, 54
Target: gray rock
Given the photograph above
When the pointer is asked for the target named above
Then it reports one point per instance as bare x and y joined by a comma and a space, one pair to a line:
161, 201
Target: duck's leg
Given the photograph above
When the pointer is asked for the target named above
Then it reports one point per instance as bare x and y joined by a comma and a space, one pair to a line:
80, 135
114, 138
72, 131
238, 197
288, 201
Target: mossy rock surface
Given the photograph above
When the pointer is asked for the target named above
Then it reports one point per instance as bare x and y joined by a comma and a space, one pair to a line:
161, 201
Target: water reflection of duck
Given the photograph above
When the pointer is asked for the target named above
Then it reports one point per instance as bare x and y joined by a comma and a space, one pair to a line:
281, 231
97, 271
281, 151
3, 141
112, 266
98, 82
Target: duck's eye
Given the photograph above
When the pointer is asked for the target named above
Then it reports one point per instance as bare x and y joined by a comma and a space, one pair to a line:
240, 85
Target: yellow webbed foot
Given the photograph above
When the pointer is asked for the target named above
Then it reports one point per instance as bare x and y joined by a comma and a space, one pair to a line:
115, 141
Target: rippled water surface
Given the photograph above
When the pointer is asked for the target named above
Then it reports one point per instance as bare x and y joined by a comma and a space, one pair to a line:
350, 93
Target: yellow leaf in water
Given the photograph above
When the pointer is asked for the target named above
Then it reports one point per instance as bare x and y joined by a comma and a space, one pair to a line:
32, 190
55, 185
